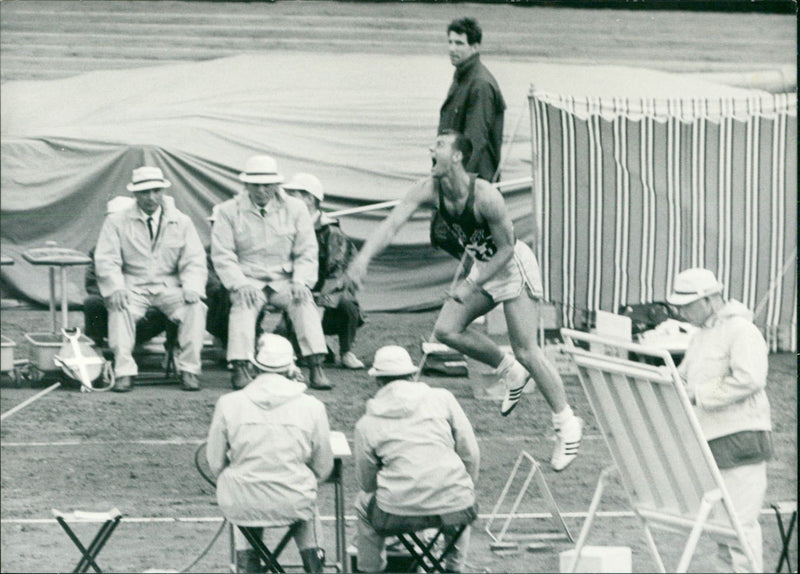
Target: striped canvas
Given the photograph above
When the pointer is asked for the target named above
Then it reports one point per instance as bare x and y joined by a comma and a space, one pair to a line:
629, 193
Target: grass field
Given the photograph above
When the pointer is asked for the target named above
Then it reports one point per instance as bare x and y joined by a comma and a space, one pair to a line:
71, 450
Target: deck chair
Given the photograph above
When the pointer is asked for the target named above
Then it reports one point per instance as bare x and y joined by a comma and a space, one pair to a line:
664, 463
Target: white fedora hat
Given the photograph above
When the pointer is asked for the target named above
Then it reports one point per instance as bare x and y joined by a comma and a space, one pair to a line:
392, 361
147, 177
261, 169
306, 182
274, 353
693, 284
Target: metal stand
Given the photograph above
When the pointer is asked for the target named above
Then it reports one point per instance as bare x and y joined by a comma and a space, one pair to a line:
505, 541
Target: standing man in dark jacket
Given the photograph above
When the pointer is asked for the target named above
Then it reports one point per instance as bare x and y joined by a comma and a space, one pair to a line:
474, 105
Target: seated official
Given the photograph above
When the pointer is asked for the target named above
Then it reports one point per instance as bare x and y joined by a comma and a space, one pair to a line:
269, 446
150, 255
416, 459
264, 251
342, 316
95, 314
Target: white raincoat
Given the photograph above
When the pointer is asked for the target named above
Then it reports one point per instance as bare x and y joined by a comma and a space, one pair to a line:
415, 448
268, 446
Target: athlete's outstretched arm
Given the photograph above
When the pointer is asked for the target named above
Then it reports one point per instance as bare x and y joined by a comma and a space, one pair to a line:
420, 193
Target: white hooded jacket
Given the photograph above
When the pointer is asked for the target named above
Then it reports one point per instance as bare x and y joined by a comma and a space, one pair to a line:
269, 445
415, 448
725, 368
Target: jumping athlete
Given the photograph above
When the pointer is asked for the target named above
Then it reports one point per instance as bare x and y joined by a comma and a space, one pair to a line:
471, 216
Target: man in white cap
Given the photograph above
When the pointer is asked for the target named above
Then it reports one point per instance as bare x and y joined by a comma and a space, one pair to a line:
265, 252
269, 446
725, 370
342, 316
416, 459
150, 255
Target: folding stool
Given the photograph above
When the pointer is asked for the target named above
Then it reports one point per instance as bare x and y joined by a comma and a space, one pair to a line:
110, 521
420, 550
789, 508
423, 552
270, 558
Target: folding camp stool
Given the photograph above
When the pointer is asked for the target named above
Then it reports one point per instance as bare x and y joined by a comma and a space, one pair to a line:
780, 509
270, 558
110, 521
421, 551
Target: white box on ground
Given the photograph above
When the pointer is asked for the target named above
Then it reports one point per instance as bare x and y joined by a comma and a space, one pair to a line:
597, 559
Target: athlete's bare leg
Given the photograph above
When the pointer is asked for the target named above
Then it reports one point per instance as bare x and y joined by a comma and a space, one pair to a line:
452, 328
522, 318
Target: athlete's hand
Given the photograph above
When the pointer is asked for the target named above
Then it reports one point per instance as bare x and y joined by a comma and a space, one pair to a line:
353, 277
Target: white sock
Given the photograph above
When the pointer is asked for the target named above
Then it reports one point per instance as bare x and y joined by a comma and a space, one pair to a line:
507, 362
560, 418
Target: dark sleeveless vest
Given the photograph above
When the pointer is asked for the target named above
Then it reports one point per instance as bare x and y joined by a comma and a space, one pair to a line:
455, 234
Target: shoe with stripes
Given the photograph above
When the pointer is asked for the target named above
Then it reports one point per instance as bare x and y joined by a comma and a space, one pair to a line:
515, 379
568, 441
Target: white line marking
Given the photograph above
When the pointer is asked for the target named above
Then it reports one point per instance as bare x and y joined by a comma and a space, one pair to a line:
348, 518
181, 441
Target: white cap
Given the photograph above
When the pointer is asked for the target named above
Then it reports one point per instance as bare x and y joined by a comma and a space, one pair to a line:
306, 182
119, 203
274, 353
693, 284
392, 361
147, 177
261, 169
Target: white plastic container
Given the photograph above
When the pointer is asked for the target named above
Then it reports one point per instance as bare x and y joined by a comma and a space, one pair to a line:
45, 346
598, 559
7, 355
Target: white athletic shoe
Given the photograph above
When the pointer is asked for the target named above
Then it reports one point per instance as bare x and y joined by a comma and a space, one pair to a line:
514, 380
568, 441
350, 361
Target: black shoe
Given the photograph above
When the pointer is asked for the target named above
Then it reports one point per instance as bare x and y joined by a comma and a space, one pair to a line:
318, 379
123, 385
189, 381
241, 374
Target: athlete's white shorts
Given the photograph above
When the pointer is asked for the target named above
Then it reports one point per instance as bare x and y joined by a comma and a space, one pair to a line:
520, 273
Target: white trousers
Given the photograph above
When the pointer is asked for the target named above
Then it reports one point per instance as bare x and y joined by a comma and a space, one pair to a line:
191, 320
747, 486
305, 318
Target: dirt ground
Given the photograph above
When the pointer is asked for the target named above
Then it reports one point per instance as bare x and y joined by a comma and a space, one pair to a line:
135, 452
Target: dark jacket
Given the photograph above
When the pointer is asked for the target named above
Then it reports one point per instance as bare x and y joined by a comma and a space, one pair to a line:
336, 251
475, 107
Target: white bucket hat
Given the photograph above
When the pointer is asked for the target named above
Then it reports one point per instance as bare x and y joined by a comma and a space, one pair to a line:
392, 361
147, 177
119, 203
274, 353
693, 284
261, 169
306, 182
